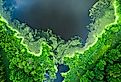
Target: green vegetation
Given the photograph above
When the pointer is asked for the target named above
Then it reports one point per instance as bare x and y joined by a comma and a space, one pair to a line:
91, 66
27, 55
2, 69
102, 61
23, 66
102, 14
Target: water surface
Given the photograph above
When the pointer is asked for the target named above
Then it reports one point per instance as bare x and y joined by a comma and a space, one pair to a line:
66, 18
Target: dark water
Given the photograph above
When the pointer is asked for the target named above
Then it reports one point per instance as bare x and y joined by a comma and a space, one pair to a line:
61, 68
66, 18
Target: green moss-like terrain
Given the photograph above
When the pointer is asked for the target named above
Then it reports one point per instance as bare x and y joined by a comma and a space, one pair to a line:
27, 56
102, 61
24, 66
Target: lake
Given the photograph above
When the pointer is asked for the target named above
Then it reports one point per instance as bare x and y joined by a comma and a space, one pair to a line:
66, 18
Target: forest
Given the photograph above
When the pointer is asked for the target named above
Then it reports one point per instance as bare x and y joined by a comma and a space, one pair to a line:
28, 55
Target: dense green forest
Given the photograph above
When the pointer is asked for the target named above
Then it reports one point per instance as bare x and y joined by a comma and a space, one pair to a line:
27, 56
